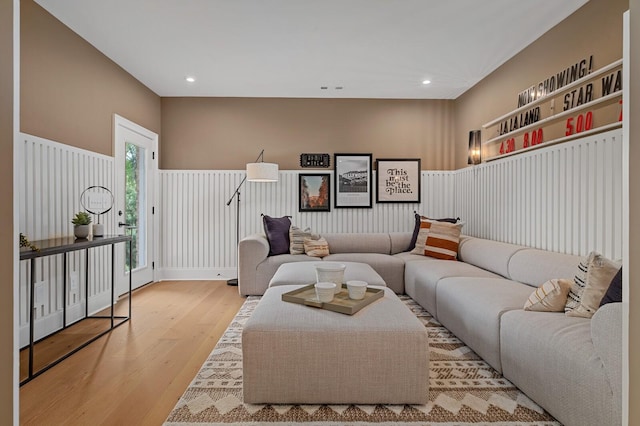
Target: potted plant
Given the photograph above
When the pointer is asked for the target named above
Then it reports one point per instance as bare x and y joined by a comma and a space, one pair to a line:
81, 223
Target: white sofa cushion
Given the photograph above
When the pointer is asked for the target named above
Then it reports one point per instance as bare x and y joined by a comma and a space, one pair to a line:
491, 255
421, 279
471, 309
358, 243
524, 266
399, 241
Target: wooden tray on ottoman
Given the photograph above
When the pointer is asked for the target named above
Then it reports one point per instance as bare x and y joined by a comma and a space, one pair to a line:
341, 303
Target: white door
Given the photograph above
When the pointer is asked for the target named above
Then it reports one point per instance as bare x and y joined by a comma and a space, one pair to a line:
136, 170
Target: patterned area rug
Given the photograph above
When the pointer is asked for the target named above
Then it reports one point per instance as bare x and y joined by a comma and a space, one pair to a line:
463, 389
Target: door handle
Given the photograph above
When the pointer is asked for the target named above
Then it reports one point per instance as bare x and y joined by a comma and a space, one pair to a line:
128, 225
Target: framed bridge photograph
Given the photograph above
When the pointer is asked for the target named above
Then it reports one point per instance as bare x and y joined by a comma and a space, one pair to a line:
353, 180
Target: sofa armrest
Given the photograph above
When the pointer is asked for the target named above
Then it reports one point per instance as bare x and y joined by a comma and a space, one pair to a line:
252, 250
606, 334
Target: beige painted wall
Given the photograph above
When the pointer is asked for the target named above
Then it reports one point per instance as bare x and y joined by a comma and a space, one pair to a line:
634, 212
7, 243
70, 91
594, 29
226, 133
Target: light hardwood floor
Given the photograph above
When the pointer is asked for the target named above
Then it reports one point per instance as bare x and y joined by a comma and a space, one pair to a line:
136, 374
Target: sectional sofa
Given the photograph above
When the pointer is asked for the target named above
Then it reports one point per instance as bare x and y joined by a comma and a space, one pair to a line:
572, 367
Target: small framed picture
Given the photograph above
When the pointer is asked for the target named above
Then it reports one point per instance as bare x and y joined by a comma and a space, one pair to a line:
353, 180
314, 192
398, 180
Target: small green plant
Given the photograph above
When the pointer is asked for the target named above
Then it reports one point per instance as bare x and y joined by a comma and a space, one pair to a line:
81, 218
24, 242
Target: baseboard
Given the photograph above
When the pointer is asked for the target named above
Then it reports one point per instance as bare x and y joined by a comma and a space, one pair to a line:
191, 274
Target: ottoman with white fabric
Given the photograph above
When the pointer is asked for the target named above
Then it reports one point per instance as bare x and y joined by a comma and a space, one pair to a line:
296, 354
295, 273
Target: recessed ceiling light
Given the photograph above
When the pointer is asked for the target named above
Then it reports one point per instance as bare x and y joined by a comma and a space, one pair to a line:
190, 79
425, 82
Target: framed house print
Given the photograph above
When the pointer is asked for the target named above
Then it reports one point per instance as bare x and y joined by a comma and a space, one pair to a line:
398, 180
353, 180
314, 192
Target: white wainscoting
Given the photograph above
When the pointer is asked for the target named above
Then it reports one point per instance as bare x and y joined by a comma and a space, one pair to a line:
198, 229
565, 198
54, 176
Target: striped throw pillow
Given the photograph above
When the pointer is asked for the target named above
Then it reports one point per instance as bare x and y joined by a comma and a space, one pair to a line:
296, 238
316, 247
589, 285
579, 282
438, 239
549, 297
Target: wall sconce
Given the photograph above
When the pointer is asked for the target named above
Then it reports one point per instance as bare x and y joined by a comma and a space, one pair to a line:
475, 147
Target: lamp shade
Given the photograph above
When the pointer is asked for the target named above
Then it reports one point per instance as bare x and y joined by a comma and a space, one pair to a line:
262, 172
475, 148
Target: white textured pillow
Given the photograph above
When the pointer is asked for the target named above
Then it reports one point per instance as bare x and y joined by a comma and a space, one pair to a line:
296, 239
316, 247
549, 297
591, 282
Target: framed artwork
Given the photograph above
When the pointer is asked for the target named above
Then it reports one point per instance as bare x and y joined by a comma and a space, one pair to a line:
314, 193
353, 180
398, 180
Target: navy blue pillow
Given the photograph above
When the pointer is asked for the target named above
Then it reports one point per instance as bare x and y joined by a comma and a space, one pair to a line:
277, 231
416, 229
614, 292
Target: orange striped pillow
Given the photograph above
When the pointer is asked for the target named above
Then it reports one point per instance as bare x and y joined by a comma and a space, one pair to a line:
438, 239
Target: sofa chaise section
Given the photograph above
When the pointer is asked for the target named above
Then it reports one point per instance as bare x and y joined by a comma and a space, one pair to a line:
570, 366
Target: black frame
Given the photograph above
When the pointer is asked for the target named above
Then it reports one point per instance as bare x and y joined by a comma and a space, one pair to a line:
355, 197
325, 207
408, 174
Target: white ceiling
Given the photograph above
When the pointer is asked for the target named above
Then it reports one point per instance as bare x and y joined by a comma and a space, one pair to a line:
290, 48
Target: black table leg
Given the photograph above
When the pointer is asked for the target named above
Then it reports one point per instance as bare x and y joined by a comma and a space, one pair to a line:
31, 314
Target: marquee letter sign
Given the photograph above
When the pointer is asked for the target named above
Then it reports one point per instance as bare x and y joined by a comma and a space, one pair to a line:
575, 100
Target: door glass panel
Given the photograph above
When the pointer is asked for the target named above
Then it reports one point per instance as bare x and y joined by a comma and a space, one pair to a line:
135, 204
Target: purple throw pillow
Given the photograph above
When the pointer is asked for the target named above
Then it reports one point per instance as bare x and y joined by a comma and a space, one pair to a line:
614, 292
277, 231
416, 228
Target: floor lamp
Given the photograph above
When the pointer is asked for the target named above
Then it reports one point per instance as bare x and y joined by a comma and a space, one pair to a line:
258, 171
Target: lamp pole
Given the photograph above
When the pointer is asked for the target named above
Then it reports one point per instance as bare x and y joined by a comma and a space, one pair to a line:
234, 281
236, 193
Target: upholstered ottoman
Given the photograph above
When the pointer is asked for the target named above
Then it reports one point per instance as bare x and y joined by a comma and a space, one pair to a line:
295, 273
297, 354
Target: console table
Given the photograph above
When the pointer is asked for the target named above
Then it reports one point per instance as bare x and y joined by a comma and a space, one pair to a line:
63, 246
